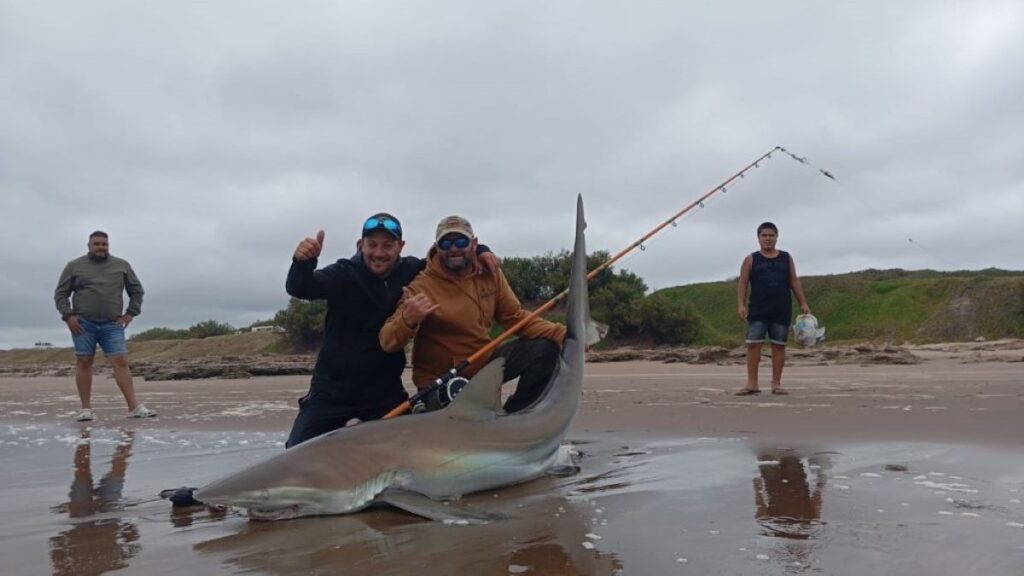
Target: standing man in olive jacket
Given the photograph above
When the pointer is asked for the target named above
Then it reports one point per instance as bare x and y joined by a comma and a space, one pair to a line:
353, 376
94, 317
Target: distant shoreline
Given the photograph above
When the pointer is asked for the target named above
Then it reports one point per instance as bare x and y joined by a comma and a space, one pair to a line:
196, 361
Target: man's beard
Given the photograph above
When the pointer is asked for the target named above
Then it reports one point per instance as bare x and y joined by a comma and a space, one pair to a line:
456, 268
98, 257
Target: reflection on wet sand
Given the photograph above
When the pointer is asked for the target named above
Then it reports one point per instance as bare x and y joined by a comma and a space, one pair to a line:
101, 545
545, 535
183, 517
783, 494
654, 507
788, 505
553, 558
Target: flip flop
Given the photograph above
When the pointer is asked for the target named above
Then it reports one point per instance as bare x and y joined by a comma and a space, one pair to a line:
746, 392
780, 391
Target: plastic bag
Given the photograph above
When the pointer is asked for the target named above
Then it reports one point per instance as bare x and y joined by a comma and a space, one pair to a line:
807, 332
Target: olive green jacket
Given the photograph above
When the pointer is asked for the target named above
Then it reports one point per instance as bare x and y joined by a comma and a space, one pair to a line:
98, 288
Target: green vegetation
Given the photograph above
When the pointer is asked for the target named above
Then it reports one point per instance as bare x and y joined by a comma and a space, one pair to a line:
303, 323
159, 334
538, 279
203, 329
884, 305
208, 328
872, 305
668, 322
616, 299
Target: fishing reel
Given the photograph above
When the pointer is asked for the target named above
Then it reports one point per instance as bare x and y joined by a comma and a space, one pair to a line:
446, 392
450, 389
442, 394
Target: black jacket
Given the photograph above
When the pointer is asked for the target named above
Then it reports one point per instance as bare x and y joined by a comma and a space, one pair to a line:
351, 367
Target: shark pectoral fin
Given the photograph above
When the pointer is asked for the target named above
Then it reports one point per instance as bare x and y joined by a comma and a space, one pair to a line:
447, 512
481, 398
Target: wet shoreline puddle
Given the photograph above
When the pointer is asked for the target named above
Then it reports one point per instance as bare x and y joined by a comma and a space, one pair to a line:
84, 502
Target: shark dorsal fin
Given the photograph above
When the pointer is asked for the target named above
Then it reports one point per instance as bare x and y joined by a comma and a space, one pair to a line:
481, 398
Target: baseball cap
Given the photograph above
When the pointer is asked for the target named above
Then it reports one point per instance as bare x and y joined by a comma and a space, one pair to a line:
382, 221
456, 224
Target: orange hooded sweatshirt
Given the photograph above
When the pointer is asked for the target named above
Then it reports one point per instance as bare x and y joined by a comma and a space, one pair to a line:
469, 306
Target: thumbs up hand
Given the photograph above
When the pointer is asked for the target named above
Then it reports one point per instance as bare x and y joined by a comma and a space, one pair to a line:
310, 248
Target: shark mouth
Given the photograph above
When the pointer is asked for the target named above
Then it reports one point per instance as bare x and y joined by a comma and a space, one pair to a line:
270, 514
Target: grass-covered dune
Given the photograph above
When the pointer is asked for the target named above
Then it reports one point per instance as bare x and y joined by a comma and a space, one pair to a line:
894, 306
876, 305
247, 344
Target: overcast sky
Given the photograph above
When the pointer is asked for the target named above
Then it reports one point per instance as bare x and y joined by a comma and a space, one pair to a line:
209, 138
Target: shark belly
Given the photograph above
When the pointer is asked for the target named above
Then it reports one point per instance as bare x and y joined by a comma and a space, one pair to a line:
477, 472
283, 502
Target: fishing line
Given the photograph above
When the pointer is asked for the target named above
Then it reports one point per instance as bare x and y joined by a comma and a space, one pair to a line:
705, 200
883, 215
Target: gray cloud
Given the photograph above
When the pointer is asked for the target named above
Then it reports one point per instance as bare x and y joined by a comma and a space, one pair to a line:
208, 139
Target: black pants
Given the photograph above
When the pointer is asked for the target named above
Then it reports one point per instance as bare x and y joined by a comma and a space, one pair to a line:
319, 414
533, 362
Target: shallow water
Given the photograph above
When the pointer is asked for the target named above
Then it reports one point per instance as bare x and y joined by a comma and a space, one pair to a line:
84, 502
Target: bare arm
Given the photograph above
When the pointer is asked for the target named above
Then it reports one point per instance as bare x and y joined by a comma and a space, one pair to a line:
741, 287
797, 287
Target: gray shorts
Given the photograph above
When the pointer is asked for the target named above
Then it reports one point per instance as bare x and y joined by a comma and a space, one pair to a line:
758, 330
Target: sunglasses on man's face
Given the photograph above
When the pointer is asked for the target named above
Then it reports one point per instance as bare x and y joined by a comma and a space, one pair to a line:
378, 222
447, 243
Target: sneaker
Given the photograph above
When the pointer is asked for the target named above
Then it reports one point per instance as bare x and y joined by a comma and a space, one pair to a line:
85, 416
142, 412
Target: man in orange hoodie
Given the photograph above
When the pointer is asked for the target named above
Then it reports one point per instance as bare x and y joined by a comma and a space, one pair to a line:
449, 310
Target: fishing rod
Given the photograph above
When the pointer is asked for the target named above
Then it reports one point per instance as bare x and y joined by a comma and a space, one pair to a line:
443, 380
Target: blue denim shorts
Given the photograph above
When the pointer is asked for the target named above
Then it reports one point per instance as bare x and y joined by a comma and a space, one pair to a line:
776, 333
109, 336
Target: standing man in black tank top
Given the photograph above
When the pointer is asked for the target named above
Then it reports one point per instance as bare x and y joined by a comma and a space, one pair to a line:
771, 275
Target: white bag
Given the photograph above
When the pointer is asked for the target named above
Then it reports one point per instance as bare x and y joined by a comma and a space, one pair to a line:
806, 331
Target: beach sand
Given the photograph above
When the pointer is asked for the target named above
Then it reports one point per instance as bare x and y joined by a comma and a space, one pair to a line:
895, 469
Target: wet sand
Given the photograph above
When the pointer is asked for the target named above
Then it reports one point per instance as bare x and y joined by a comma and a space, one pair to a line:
876, 469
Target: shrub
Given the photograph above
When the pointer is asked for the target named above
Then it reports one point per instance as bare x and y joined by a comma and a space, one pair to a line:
208, 328
668, 322
303, 323
617, 305
160, 334
613, 295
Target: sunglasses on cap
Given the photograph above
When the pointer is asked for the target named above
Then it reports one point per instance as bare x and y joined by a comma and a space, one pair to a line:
382, 223
447, 243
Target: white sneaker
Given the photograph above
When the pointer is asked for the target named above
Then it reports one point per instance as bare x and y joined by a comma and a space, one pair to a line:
85, 416
142, 412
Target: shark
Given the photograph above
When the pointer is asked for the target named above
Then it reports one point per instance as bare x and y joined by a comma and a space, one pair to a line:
423, 463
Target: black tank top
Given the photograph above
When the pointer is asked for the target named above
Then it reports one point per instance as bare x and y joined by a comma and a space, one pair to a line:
770, 297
